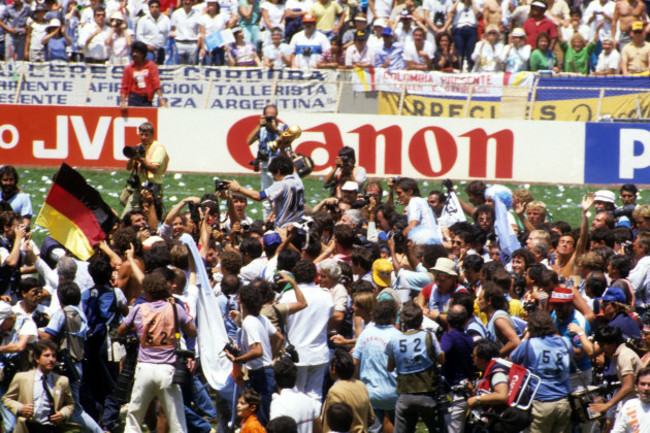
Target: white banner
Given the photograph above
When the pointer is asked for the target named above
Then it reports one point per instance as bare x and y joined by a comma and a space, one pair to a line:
430, 83
183, 86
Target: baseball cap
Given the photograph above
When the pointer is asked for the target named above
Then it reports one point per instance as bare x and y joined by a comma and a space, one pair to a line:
360, 35
387, 31
604, 196
614, 294
117, 15
561, 294
54, 22
5, 311
350, 185
445, 266
381, 272
308, 18
519, 33
381, 22
492, 28
271, 238
360, 17
539, 4
637, 25
236, 29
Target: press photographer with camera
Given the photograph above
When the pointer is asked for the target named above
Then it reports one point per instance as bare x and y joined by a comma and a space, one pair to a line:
635, 414
267, 130
148, 163
157, 323
343, 171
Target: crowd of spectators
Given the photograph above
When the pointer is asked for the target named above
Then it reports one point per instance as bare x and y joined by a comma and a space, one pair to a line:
372, 308
599, 37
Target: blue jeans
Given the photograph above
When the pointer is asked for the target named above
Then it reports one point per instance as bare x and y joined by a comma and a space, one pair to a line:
195, 422
79, 415
465, 39
261, 380
202, 399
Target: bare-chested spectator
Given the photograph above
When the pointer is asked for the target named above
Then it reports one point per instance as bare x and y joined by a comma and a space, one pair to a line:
635, 56
492, 16
626, 13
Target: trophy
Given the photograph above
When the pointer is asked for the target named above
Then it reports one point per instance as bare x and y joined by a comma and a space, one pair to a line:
286, 138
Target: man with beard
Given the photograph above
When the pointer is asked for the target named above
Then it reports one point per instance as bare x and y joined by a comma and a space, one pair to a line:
635, 415
18, 200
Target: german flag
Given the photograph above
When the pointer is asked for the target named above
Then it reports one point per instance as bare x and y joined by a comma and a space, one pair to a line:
75, 213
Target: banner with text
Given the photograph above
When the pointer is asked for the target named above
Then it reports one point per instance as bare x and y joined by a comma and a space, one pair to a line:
183, 86
438, 83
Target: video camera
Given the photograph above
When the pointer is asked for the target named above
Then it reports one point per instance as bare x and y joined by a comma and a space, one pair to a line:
361, 202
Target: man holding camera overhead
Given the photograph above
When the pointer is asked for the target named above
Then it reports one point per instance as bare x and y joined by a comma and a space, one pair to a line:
267, 130
345, 170
148, 162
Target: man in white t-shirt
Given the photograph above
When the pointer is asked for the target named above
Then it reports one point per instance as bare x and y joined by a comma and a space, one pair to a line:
609, 60
308, 46
185, 30
419, 53
436, 15
635, 414
359, 55
290, 402
259, 341
307, 329
254, 263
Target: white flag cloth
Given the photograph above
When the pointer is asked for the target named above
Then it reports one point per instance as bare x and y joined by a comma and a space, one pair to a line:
212, 333
452, 212
508, 241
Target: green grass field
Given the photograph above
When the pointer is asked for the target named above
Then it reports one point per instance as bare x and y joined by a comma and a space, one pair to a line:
563, 201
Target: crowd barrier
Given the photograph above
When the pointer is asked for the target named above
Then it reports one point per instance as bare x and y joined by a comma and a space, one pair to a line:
214, 141
525, 96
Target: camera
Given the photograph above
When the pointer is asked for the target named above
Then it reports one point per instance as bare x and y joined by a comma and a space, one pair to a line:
230, 347
40, 318
133, 152
256, 164
291, 353
195, 215
399, 237
361, 202
303, 164
529, 306
133, 181
447, 183
624, 211
221, 185
269, 120
246, 227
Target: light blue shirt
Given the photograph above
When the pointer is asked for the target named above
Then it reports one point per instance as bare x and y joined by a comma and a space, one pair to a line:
288, 199
370, 352
41, 402
21, 204
395, 53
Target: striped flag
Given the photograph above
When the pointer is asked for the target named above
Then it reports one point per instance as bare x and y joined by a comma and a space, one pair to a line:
75, 214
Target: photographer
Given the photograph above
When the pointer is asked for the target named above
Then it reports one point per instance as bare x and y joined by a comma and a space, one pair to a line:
11, 256
267, 130
154, 322
148, 162
345, 170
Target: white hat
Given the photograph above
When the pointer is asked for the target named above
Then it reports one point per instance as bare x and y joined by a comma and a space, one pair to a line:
350, 185
381, 22
519, 33
605, 196
117, 15
445, 266
54, 22
5, 311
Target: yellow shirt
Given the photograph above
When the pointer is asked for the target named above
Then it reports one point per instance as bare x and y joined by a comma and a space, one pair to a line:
326, 14
157, 154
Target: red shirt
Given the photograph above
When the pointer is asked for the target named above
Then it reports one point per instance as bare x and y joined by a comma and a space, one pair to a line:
143, 80
534, 28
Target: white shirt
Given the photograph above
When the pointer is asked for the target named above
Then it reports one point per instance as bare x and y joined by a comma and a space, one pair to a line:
411, 53
96, 49
383, 8
252, 270
273, 53
598, 11
515, 59
275, 11
634, 417
214, 24
296, 405
153, 32
257, 329
339, 297
640, 279
437, 6
609, 61
486, 57
307, 329
318, 44
186, 25
465, 16
352, 55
